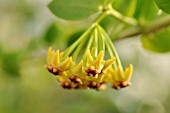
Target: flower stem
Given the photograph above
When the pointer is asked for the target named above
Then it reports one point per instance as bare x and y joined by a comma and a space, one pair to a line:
108, 2
127, 20
115, 53
95, 42
73, 46
88, 46
96, 21
107, 45
101, 41
146, 29
100, 17
78, 49
111, 49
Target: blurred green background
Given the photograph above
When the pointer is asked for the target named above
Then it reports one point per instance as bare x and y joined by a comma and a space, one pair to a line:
28, 28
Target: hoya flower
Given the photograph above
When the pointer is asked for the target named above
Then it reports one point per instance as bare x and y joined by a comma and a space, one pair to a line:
119, 78
96, 70
97, 66
55, 64
73, 78
89, 76
92, 71
65, 70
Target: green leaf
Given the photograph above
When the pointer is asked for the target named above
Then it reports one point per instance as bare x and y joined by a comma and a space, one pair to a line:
158, 42
74, 9
126, 7
146, 10
164, 5
51, 34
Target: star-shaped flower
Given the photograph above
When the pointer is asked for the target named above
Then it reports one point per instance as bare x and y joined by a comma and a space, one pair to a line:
55, 64
97, 66
119, 78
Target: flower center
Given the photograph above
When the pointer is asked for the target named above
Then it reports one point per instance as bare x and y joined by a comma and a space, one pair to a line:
53, 70
92, 71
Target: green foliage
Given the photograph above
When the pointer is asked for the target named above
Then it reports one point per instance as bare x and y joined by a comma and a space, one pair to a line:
74, 9
164, 5
146, 10
158, 42
34, 91
51, 34
73, 37
10, 64
143, 11
125, 7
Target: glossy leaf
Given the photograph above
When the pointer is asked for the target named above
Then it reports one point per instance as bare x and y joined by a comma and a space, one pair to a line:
74, 9
158, 42
164, 5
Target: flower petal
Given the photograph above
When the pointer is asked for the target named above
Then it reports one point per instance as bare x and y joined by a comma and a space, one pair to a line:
128, 73
65, 65
98, 61
89, 59
120, 74
79, 68
108, 63
56, 58
50, 55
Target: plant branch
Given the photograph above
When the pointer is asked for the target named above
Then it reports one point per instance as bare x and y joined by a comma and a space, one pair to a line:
108, 10
127, 20
109, 2
103, 14
146, 29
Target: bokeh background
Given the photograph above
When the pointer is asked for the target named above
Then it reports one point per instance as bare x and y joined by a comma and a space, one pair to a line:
28, 28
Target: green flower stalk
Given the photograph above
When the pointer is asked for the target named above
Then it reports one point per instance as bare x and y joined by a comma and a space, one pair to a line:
92, 71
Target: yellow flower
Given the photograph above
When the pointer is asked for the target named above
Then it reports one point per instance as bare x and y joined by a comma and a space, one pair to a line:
98, 65
96, 70
119, 78
93, 73
73, 77
55, 64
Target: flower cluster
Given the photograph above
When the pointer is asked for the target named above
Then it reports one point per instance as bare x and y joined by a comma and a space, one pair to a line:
92, 73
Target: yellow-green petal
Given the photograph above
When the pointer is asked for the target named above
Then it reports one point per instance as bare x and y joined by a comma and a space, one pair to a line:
89, 59
49, 56
108, 63
98, 61
56, 59
128, 72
